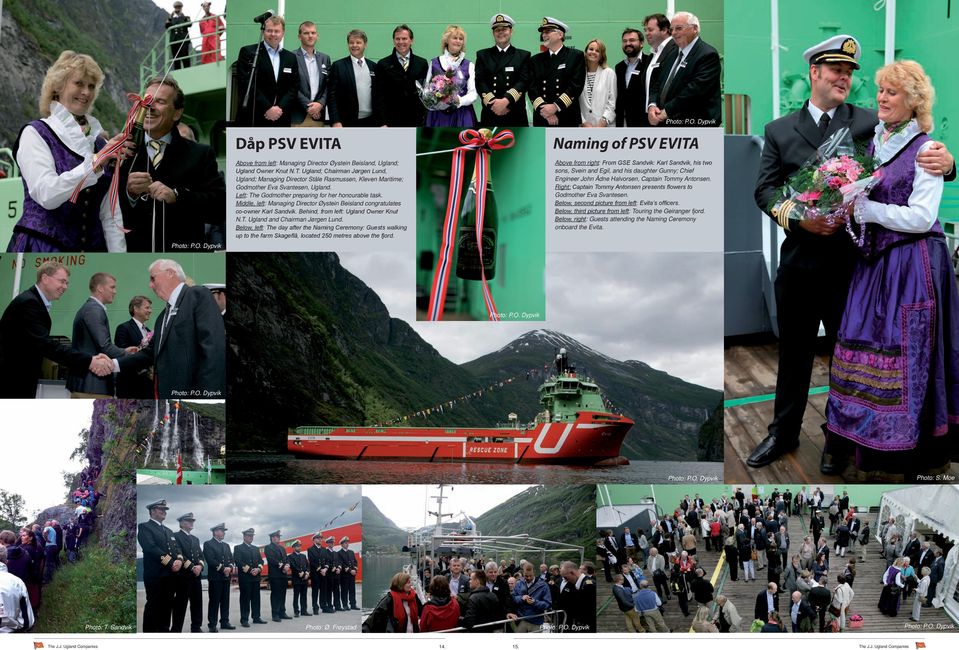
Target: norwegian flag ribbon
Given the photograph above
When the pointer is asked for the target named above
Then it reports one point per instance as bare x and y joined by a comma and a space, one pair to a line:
179, 470
483, 142
113, 151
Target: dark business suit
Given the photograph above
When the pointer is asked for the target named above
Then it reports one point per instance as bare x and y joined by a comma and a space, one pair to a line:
653, 73
317, 581
91, 336
189, 589
267, 90
188, 358
160, 550
189, 169
24, 343
140, 384
503, 75
557, 79
396, 93
762, 604
631, 99
218, 557
693, 95
303, 96
344, 106
814, 271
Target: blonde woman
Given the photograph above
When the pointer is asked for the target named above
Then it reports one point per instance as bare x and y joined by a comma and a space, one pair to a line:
453, 64
56, 154
597, 102
899, 338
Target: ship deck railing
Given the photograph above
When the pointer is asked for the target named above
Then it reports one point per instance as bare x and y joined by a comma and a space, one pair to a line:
559, 624
513, 544
8, 165
158, 60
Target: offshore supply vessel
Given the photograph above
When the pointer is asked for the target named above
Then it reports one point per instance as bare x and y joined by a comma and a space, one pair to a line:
575, 428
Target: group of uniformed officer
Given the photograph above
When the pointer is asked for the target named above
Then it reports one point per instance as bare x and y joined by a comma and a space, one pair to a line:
173, 565
553, 79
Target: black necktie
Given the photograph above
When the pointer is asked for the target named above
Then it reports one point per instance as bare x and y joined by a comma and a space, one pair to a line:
823, 124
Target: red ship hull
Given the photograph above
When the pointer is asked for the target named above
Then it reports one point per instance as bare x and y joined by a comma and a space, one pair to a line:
593, 437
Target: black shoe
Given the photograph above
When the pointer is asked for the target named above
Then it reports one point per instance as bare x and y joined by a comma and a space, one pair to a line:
212, 629
244, 624
276, 619
316, 612
197, 630
772, 447
227, 626
286, 617
306, 614
828, 466
328, 610
259, 621
296, 615
354, 607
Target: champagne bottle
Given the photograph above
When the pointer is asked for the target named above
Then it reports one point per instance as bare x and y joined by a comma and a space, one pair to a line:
468, 265
136, 129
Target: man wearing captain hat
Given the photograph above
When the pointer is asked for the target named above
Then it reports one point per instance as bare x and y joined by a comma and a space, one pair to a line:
300, 573
502, 77
219, 568
278, 574
248, 569
817, 258
161, 560
332, 561
557, 77
318, 571
348, 565
189, 589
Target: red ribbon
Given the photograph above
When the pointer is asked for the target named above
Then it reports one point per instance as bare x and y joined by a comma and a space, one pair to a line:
483, 145
113, 151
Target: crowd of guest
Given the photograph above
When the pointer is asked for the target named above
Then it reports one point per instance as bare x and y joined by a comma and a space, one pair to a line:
482, 595
30, 557
814, 576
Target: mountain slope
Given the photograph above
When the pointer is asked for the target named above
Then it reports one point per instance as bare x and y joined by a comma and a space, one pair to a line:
380, 534
561, 514
310, 343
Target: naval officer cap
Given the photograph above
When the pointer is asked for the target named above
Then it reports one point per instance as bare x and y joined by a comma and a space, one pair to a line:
318, 536
158, 505
551, 23
297, 543
219, 527
331, 539
275, 533
838, 49
187, 517
345, 538
501, 20
249, 531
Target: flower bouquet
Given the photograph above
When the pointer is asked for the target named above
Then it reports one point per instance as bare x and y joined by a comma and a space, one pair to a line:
439, 94
855, 621
832, 178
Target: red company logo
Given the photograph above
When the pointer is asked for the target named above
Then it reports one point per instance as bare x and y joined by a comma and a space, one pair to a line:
37, 645
920, 644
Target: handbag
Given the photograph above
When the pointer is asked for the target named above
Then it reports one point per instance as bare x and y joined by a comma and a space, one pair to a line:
754, 555
835, 611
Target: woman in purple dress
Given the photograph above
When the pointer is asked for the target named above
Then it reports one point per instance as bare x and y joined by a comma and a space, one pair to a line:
55, 155
894, 388
452, 63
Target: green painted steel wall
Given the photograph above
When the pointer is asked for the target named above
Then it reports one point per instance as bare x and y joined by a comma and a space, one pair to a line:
669, 496
924, 32
603, 19
519, 185
130, 270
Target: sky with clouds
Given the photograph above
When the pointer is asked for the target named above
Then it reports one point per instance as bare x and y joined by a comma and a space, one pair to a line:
665, 309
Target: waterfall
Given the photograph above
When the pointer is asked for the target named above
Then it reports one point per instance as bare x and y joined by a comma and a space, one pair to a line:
153, 432
197, 445
175, 438
165, 437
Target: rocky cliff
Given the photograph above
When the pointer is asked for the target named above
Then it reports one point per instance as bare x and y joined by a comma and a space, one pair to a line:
116, 33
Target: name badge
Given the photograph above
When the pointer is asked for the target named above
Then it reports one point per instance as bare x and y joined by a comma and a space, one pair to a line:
561, 66
286, 70
509, 68
635, 73
372, 74
323, 66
